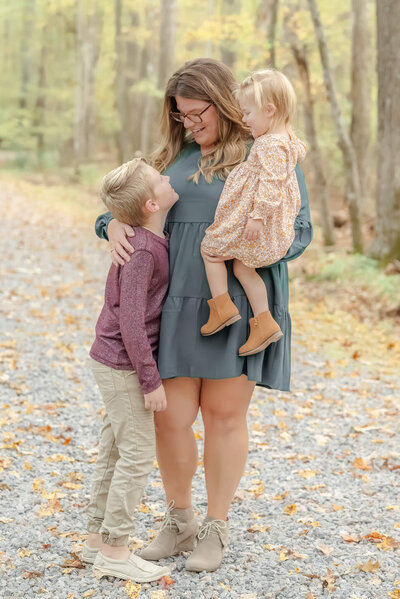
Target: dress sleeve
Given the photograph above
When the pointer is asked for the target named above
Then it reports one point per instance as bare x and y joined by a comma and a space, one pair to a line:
135, 282
303, 230
272, 161
101, 226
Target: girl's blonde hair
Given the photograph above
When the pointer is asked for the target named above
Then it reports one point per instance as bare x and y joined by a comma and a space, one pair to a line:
212, 81
125, 191
271, 87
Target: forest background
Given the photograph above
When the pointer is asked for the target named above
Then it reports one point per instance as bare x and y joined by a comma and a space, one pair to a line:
82, 85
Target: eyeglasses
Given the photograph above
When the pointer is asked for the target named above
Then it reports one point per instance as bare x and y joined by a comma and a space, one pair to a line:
195, 118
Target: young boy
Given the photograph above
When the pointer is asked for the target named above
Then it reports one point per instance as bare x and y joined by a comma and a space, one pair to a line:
123, 361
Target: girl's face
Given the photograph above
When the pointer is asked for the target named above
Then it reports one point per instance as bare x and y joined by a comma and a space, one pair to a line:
206, 132
259, 121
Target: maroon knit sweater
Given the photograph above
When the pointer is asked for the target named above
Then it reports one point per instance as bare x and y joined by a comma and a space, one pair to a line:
128, 327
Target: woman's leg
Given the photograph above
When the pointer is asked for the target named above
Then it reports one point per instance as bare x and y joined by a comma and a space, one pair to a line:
253, 286
176, 444
224, 405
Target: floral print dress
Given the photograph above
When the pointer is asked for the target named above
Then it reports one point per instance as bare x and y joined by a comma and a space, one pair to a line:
264, 187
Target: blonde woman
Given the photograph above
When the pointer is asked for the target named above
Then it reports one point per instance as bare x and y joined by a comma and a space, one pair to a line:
203, 140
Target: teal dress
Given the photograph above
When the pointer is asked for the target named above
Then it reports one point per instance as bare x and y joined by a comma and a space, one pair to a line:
183, 350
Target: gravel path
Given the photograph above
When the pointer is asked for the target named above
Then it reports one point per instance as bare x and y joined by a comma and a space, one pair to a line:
317, 513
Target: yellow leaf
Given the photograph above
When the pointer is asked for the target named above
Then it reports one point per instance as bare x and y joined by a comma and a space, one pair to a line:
283, 556
290, 509
132, 590
393, 507
37, 485
27, 465
307, 473
314, 524
337, 508
144, 509
157, 595
395, 594
59, 457
24, 552
90, 593
225, 586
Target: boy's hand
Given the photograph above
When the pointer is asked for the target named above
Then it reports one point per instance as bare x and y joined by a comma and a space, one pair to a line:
253, 229
119, 245
156, 400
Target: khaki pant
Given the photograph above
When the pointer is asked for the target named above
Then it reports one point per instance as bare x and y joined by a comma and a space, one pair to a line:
126, 454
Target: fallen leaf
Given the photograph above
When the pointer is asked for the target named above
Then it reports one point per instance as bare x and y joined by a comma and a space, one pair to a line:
368, 566
328, 581
90, 593
395, 594
132, 590
167, 581
351, 538
361, 464
307, 473
325, 549
290, 509
24, 552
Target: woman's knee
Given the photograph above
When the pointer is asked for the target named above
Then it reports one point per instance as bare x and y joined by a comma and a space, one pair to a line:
223, 421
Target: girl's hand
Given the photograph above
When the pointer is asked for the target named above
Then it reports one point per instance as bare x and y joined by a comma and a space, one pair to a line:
253, 229
117, 235
156, 400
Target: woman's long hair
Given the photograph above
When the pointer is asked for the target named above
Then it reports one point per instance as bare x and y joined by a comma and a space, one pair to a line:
212, 81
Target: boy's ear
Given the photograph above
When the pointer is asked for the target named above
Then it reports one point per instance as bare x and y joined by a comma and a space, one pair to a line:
151, 206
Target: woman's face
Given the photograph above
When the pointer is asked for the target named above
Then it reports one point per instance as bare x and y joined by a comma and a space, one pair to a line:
206, 132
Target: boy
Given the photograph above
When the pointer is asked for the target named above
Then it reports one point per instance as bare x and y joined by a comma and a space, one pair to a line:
123, 363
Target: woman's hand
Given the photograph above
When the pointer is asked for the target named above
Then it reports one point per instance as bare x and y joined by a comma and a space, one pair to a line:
156, 400
120, 247
253, 229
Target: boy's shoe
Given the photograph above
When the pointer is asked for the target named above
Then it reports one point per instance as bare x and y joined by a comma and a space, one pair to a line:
177, 533
223, 312
264, 330
212, 542
88, 554
135, 568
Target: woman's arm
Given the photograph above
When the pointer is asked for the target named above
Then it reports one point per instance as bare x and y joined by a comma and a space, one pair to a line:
303, 231
116, 233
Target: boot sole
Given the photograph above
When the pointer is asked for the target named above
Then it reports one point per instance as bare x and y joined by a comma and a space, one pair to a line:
99, 572
223, 325
275, 337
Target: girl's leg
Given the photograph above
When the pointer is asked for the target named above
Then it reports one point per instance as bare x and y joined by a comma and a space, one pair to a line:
253, 286
176, 444
217, 276
224, 405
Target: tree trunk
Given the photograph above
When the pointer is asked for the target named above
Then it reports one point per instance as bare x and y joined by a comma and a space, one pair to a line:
361, 89
266, 19
40, 106
228, 46
121, 92
209, 43
88, 25
320, 183
350, 161
169, 13
387, 232
28, 27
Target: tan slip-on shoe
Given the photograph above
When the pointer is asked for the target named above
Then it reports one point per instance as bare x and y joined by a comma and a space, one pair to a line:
264, 330
212, 542
223, 312
134, 568
177, 533
88, 554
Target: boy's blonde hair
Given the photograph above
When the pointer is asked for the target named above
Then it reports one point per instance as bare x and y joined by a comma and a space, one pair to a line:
125, 191
271, 87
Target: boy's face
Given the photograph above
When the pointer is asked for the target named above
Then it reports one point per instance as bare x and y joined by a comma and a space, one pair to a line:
164, 193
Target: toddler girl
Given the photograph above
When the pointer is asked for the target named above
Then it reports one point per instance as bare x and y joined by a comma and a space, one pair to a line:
254, 220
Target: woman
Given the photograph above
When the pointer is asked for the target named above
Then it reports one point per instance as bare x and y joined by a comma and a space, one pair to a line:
203, 139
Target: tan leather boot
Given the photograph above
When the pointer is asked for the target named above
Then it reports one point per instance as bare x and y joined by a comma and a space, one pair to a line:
223, 312
177, 533
264, 330
212, 542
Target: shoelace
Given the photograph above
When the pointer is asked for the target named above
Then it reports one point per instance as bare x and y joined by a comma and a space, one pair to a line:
169, 520
214, 525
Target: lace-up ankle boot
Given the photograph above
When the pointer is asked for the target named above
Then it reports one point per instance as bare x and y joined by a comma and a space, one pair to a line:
212, 542
264, 330
177, 533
